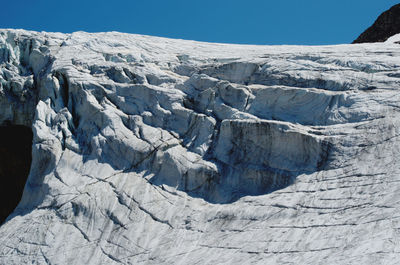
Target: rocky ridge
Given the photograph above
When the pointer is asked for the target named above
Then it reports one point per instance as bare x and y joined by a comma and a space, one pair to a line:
386, 25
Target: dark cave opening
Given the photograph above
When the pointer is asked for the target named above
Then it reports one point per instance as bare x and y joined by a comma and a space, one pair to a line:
15, 163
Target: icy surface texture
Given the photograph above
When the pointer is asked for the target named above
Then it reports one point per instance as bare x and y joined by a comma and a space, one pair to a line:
159, 151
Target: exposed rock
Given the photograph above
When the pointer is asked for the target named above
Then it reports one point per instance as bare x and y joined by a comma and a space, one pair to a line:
387, 25
15, 162
159, 151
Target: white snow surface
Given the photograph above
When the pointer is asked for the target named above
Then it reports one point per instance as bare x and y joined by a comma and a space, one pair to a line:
150, 150
393, 39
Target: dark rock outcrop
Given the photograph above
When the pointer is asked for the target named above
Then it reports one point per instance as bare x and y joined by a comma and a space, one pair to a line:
387, 25
15, 162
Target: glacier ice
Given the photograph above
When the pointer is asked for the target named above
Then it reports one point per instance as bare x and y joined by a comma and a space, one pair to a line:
160, 151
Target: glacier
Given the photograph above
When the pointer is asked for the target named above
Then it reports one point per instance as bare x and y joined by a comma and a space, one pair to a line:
149, 150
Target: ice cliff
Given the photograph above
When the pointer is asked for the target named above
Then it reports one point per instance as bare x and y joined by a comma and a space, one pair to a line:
160, 151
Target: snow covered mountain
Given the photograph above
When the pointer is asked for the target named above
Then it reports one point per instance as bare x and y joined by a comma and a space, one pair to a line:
160, 151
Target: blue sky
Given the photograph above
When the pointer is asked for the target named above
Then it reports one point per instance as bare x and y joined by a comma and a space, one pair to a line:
230, 21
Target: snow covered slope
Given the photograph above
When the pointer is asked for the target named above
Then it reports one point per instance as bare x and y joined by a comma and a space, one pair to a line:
159, 151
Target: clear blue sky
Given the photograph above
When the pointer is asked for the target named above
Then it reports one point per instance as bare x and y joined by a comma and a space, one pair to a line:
230, 21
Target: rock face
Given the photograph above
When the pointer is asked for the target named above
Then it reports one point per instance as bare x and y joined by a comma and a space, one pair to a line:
387, 25
15, 162
159, 151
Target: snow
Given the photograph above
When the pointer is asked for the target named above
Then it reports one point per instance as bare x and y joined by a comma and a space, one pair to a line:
393, 39
161, 151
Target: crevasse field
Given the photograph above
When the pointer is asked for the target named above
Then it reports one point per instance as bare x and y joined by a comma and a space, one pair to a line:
149, 150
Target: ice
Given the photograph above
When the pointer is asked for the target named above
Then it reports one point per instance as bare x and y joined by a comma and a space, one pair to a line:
161, 151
